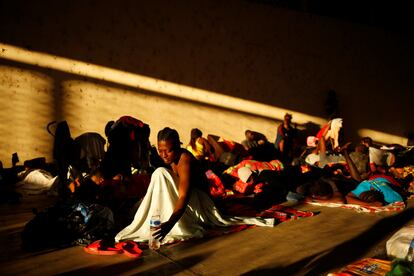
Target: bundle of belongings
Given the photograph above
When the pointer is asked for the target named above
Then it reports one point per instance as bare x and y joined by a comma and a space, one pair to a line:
245, 172
67, 224
36, 181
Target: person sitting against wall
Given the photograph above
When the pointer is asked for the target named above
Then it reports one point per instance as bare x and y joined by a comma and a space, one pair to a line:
253, 139
285, 139
200, 147
258, 147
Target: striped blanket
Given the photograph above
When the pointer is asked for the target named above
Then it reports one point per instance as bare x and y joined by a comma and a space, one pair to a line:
393, 207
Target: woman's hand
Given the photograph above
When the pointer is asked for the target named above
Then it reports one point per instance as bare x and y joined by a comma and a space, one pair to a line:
164, 229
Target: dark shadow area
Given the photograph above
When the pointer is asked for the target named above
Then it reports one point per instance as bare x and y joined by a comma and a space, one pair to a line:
170, 268
390, 15
343, 254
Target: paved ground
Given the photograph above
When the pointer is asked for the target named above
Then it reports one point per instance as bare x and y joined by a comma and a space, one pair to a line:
312, 246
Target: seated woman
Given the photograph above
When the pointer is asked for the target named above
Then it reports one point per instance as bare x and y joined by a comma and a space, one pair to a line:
199, 146
175, 193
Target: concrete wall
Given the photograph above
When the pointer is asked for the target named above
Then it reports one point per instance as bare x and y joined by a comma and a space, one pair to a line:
221, 66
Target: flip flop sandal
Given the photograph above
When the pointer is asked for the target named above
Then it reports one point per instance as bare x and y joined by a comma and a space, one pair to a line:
130, 248
98, 248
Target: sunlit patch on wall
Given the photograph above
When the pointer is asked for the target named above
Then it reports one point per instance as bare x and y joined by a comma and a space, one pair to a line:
381, 137
25, 109
88, 106
212, 111
138, 81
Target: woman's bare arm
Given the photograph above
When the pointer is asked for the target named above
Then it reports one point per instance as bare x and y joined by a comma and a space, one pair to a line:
183, 169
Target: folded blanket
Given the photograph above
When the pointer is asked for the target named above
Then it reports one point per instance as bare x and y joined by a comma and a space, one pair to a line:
279, 212
393, 207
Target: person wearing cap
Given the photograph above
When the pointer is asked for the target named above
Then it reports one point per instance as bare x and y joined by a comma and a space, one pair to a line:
285, 136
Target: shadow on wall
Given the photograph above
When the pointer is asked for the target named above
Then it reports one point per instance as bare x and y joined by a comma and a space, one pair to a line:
88, 96
242, 49
27, 105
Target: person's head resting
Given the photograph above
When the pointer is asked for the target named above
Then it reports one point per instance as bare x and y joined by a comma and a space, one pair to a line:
318, 189
372, 196
168, 145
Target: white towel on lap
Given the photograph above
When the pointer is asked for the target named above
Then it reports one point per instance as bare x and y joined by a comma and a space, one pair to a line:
162, 194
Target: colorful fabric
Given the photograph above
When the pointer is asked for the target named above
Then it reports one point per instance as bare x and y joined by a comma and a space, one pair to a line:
161, 198
226, 144
389, 178
393, 207
322, 130
402, 173
284, 213
255, 166
379, 184
243, 187
216, 186
279, 213
365, 267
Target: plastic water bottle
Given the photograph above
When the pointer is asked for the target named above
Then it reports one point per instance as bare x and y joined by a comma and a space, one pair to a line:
410, 254
155, 223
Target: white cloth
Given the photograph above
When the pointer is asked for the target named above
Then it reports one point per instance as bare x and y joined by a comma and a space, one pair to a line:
380, 157
399, 244
36, 182
333, 132
162, 194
